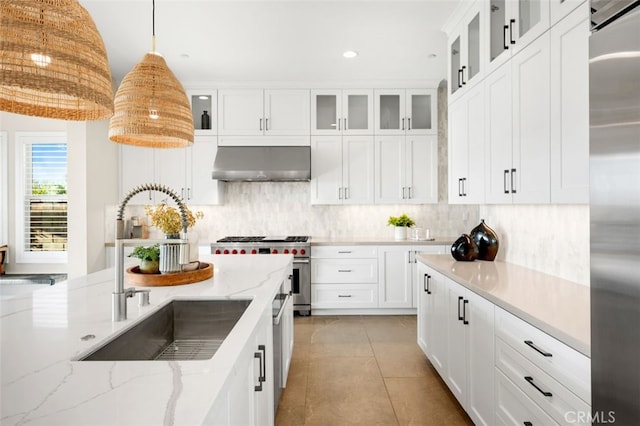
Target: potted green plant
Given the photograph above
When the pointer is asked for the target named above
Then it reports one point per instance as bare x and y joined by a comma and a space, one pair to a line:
149, 258
401, 223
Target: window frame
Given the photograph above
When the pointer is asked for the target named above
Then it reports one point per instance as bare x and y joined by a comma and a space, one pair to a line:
22, 139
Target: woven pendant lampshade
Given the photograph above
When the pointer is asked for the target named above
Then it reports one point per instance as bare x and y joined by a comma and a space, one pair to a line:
151, 106
53, 62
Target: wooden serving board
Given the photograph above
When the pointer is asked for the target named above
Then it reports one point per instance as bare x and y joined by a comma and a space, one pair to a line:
134, 276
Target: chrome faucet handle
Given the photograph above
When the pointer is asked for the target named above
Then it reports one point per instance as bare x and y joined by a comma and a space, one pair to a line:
143, 297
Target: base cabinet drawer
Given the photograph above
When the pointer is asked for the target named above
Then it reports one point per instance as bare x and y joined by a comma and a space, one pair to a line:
565, 364
347, 271
344, 252
329, 296
544, 390
513, 407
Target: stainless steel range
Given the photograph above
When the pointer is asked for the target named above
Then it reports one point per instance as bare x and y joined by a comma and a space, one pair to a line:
298, 246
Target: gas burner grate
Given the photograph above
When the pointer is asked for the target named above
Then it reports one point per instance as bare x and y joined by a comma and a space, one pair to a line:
297, 239
251, 239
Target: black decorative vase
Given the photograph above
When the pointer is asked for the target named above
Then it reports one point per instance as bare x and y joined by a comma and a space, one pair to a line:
205, 121
487, 241
464, 249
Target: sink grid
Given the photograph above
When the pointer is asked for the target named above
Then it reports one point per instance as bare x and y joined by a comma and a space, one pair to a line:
189, 350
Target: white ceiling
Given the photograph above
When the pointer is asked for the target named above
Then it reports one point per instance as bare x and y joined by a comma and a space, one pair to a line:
279, 41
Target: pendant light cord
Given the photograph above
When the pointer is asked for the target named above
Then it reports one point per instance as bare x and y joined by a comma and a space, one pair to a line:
153, 25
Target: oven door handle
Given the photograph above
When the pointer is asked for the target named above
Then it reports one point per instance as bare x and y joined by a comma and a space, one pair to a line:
300, 261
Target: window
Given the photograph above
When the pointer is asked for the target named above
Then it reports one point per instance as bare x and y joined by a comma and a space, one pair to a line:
41, 198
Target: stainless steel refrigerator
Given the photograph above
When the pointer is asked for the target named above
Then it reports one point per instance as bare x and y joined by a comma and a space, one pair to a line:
614, 104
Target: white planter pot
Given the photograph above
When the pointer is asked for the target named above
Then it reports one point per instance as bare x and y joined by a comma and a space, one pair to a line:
400, 232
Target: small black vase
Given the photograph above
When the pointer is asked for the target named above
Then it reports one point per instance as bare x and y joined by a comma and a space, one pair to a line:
487, 241
205, 121
464, 249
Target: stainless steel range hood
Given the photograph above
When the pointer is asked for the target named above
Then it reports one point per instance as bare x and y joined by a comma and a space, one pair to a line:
262, 163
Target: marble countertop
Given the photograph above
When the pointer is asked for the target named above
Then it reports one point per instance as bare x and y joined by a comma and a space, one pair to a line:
377, 241
556, 306
41, 335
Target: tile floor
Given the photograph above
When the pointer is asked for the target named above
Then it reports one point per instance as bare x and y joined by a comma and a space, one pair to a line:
363, 370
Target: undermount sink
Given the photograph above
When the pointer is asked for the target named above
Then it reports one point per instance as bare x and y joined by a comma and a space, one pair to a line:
180, 330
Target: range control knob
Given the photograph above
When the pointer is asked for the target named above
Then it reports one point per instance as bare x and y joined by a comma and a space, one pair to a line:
234, 251
217, 251
226, 251
302, 251
294, 251
286, 251
254, 251
243, 251
275, 251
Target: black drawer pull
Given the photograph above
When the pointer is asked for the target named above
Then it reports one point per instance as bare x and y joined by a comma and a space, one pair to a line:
537, 349
530, 380
528, 424
258, 387
344, 295
459, 315
464, 312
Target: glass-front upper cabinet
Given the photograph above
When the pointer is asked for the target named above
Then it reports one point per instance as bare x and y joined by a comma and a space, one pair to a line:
410, 111
465, 56
513, 25
348, 112
204, 110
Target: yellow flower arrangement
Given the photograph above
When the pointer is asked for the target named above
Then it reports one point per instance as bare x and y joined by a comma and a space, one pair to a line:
168, 218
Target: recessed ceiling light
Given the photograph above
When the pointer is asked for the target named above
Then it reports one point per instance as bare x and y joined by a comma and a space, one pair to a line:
350, 54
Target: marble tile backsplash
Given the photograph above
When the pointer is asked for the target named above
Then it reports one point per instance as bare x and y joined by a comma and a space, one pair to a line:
553, 239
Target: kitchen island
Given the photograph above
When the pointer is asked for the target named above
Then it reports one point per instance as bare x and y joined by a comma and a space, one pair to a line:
44, 332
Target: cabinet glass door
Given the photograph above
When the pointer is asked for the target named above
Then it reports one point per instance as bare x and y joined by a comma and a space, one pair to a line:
420, 116
529, 14
498, 34
357, 117
473, 47
326, 112
389, 117
454, 54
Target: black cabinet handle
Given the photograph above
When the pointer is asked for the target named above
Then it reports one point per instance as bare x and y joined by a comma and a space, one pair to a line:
426, 280
504, 37
459, 78
344, 295
463, 68
528, 424
504, 181
511, 22
258, 387
263, 372
464, 312
261, 124
537, 349
513, 185
402, 123
464, 191
459, 316
460, 187
409, 122
530, 380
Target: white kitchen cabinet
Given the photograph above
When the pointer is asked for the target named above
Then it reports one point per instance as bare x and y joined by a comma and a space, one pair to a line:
186, 171
432, 316
467, 60
514, 407
406, 169
467, 148
247, 396
470, 352
395, 267
344, 277
517, 128
204, 105
561, 8
342, 170
263, 117
513, 25
406, 112
570, 107
342, 112
137, 167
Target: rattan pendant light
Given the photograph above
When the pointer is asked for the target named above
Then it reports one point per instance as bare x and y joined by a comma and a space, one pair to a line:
53, 62
151, 106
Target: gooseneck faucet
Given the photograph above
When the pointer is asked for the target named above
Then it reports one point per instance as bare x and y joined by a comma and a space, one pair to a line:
120, 294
